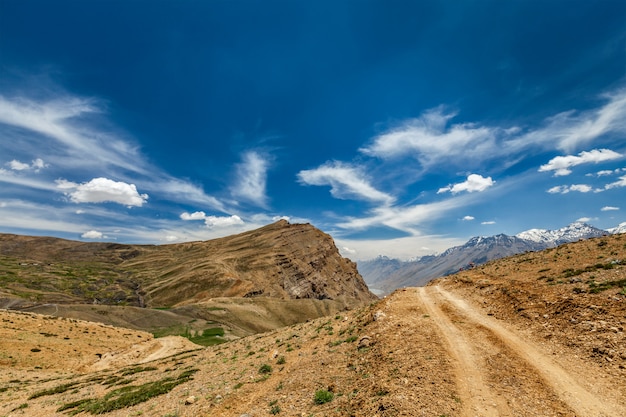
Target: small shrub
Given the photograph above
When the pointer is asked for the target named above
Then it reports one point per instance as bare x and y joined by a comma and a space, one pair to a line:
265, 369
323, 396
281, 360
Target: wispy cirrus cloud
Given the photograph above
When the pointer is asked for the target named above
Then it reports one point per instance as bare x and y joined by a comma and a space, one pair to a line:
432, 139
251, 178
79, 142
346, 181
561, 164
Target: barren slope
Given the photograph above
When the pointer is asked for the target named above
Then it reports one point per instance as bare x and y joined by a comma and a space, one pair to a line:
512, 338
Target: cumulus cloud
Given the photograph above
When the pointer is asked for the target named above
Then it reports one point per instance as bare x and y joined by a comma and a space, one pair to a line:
561, 164
473, 183
18, 166
35, 165
468, 218
251, 178
609, 208
224, 221
102, 190
92, 234
197, 215
584, 219
346, 182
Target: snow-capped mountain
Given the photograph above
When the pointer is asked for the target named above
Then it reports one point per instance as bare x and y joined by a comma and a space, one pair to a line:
621, 228
388, 274
571, 233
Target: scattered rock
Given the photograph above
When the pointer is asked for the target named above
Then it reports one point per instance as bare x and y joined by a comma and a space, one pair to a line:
364, 342
190, 400
378, 315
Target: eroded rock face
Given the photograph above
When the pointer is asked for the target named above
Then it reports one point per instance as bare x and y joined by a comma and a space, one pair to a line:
281, 260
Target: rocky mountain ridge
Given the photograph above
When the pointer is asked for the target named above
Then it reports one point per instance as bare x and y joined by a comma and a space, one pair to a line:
266, 270
385, 275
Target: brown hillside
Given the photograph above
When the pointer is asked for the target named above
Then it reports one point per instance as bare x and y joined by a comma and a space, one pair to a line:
280, 260
539, 334
256, 281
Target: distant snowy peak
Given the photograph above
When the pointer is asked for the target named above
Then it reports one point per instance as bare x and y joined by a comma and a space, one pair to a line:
621, 228
571, 233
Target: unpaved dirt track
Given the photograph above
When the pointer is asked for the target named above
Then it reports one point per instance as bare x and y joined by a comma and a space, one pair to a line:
499, 373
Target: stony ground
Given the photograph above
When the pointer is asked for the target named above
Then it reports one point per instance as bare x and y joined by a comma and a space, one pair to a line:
540, 334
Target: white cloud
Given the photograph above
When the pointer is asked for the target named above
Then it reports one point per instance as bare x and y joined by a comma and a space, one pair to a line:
433, 141
101, 190
429, 140
36, 165
69, 130
18, 166
92, 234
473, 183
488, 222
561, 164
584, 219
346, 182
402, 218
348, 250
572, 129
617, 184
468, 218
404, 248
564, 189
197, 215
609, 208
225, 221
583, 188
250, 183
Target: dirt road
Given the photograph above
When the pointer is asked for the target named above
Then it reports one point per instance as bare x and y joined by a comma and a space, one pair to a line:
500, 372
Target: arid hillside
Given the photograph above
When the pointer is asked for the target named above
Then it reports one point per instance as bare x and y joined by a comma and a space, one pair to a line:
256, 281
538, 334
281, 260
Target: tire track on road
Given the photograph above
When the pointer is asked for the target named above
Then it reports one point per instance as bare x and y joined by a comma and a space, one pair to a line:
477, 397
564, 385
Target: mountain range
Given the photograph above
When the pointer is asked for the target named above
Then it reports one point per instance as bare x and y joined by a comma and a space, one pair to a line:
383, 274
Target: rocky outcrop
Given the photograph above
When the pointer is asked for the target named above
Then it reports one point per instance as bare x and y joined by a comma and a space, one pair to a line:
281, 260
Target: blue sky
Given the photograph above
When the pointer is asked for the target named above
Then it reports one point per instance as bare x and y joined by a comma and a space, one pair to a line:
401, 128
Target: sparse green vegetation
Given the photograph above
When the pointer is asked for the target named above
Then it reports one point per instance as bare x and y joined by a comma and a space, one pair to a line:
55, 390
265, 369
323, 396
126, 396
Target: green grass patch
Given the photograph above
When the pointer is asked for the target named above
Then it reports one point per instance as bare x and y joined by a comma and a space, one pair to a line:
596, 287
323, 396
55, 390
126, 396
